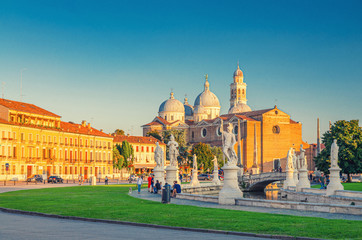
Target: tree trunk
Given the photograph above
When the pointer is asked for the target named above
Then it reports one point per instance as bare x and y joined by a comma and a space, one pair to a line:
349, 178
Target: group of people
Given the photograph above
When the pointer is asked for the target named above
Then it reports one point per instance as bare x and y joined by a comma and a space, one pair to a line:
156, 187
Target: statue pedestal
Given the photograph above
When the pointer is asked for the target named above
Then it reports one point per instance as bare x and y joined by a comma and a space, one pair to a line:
171, 175
334, 181
194, 181
159, 175
303, 180
215, 179
295, 176
289, 181
230, 191
93, 181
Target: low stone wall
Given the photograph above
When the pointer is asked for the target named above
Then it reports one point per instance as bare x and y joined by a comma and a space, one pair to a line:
196, 197
316, 207
318, 196
345, 193
204, 189
314, 190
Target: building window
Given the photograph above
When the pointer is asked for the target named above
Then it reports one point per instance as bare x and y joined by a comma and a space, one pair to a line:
137, 149
192, 134
236, 128
142, 149
147, 149
203, 132
276, 129
276, 164
218, 131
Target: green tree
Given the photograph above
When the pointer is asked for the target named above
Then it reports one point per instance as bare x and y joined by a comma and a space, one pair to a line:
180, 138
154, 134
349, 141
119, 132
127, 152
204, 156
118, 159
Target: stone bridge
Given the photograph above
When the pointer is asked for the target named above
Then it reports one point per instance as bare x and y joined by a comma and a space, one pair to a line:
257, 182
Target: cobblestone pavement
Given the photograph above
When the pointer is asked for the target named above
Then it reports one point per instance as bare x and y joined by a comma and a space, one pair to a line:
21, 227
156, 197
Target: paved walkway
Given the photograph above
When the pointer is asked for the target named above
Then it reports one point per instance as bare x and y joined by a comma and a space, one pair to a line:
21, 227
156, 197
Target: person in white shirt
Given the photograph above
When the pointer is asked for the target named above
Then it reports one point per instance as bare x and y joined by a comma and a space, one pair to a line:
139, 183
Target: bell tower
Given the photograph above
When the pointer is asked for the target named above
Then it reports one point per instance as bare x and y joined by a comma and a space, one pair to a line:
238, 89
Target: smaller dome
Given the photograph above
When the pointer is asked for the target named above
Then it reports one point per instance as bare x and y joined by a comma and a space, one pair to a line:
239, 108
171, 105
238, 72
189, 110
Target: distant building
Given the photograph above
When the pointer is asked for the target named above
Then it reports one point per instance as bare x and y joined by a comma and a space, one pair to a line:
275, 131
36, 141
144, 148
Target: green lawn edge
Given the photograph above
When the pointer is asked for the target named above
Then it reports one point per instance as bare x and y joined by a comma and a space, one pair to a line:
354, 186
112, 202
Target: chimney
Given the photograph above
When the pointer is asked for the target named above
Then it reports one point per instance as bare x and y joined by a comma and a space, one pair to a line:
84, 123
101, 130
318, 137
89, 126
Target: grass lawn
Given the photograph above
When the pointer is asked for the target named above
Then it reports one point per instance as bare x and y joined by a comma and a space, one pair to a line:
355, 186
113, 202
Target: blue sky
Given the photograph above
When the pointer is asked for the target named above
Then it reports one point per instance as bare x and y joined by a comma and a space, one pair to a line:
113, 63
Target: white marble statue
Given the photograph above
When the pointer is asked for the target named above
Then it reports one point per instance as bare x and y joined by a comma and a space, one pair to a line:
216, 167
290, 159
158, 156
334, 154
302, 159
228, 146
194, 164
172, 151
295, 160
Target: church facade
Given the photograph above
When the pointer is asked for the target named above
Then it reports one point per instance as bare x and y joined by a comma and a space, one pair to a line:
264, 136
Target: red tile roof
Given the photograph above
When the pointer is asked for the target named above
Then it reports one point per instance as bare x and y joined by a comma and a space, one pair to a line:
25, 107
65, 127
136, 139
78, 128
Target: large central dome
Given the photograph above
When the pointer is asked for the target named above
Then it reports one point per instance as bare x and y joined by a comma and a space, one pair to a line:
207, 98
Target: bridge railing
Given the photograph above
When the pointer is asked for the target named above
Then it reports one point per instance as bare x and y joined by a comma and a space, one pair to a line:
250, 179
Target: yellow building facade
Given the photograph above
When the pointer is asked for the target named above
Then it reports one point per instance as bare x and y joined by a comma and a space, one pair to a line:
36, 141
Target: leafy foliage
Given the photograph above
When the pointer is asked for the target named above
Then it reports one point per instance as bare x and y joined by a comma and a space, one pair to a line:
204, 156
119, 132
349, 141
154, 134
126, 153
118, 159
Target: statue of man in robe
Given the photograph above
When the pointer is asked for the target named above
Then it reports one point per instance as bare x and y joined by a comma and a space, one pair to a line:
290, 159
228, 146
172, 151
334, 154
302, 159
158, 156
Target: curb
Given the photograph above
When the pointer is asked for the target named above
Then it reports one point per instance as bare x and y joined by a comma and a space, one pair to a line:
14, 211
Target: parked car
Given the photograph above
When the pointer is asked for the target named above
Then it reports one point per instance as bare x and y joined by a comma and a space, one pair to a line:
35, 178
204, 176
55, 179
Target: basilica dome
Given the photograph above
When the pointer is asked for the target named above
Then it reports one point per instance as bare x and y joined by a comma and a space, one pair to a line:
189, 110
207, 98
171, 105
239, 108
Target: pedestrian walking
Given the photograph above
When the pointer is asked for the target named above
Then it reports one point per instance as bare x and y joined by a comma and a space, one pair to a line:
322, 181
139, 184
106, 181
